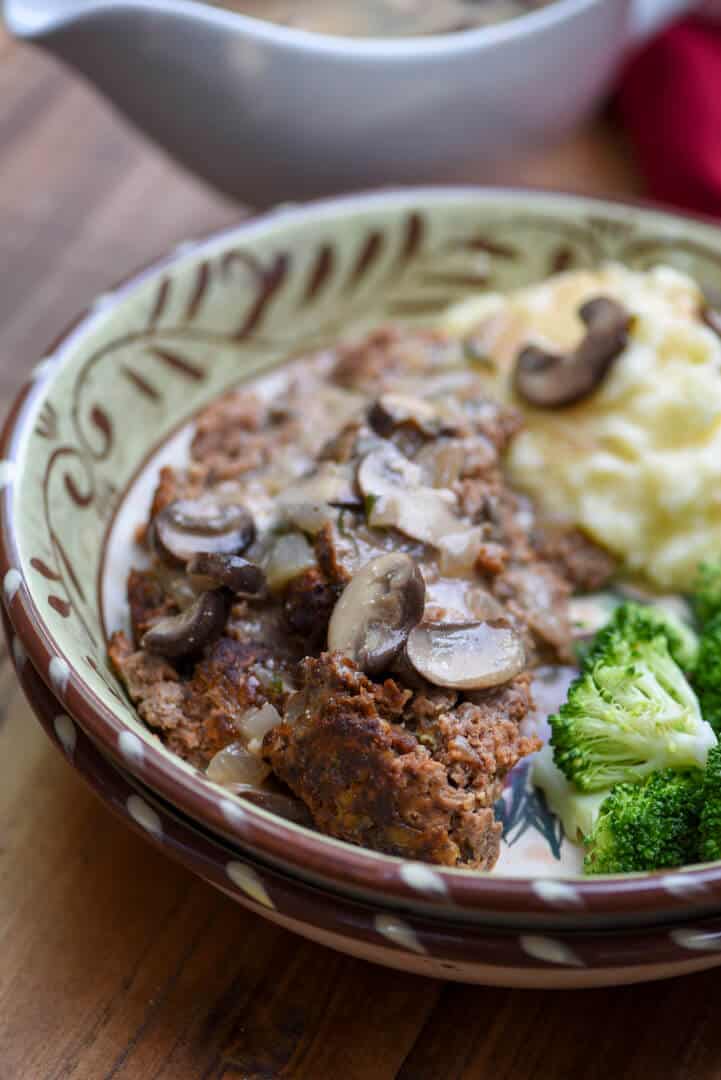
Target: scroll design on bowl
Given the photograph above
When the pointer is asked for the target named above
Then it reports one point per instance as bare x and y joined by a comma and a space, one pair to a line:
170, 347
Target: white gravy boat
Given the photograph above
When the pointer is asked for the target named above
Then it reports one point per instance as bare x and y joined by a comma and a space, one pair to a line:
268, 113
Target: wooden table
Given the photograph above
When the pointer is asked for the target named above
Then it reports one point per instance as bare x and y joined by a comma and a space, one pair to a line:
114, 962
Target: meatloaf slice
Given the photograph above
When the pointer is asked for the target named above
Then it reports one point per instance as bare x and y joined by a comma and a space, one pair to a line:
197, 717
369, 779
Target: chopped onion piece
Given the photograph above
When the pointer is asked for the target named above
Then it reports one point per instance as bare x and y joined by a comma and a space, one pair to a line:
255, 723
234, 764
290, 556
459, 551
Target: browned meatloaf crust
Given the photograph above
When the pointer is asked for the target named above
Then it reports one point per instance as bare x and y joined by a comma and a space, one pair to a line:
423, 790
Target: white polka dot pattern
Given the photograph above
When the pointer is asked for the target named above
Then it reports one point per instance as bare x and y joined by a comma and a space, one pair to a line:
59, 674
7, 473
19, 652
681, 885
145, 816
131, 747
557, 893
66, 733
423, 880
696, 940
233, 812
102, 300
249, 882
11, 583
43, 367
399, 932
549, 950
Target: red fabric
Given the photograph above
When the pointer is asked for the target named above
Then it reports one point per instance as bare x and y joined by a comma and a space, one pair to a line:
670, 103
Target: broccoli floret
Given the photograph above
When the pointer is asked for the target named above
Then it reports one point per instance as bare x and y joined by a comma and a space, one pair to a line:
576, 811
707, 676
630, 712
706, 593
710, 826
647, 826
642, 622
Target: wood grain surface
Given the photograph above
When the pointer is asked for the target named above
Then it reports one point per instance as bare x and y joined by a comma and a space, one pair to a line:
114, 962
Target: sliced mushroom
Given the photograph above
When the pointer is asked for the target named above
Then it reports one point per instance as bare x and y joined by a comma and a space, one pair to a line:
395, 497
331, 483
466, 656
186, 633
552, 380
311, 502
445, 461
189, 527
235, 573
376, 611
385, 471
392, 411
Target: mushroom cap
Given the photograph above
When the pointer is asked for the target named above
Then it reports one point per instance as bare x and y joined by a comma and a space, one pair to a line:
189, 527
376, 611
553, 380
392, 411
186, 633
466, 656
397, 497
232, 571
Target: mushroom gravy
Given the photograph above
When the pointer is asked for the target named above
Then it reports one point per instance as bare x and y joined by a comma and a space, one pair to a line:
384, 18
340, 601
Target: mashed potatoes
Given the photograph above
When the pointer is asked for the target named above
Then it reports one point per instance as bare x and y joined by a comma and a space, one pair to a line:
638, 464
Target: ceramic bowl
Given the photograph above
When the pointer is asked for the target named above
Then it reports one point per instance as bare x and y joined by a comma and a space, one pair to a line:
406, 941
147, 354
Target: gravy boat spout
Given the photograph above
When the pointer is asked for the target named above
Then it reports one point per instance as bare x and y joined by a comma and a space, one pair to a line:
268, 113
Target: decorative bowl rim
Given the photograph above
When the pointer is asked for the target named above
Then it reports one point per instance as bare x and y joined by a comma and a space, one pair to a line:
659, 895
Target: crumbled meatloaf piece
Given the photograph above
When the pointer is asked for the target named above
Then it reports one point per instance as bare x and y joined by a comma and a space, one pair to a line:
237, 434
495, 422
576, 558
537, 598
327, 554
198, 717
174, 484
308, 606
491, 559
479, 742
220, 429
365, 364
371, 781
147, 600
168, 490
